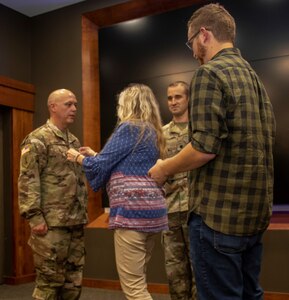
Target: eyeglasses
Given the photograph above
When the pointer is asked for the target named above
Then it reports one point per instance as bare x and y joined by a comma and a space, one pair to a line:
190, 41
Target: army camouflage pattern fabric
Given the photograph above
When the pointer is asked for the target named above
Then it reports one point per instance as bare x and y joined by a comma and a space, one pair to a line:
53, 190
176, 186
175, 241
59, 274
177, 259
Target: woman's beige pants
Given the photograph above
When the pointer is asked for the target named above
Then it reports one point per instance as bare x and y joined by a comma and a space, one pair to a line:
133, 251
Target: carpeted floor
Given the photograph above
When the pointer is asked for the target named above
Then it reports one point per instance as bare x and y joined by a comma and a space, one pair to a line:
24, 291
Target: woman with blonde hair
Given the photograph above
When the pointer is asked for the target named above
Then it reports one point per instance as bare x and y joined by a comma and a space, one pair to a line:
137, 205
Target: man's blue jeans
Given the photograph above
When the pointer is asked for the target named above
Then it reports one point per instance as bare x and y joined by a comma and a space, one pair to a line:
226, 267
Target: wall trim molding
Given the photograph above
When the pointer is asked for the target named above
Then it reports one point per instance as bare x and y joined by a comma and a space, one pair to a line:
15, 280
16, 94
159, 288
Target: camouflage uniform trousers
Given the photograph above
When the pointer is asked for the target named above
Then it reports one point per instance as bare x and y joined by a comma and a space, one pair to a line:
178, 265
58, 260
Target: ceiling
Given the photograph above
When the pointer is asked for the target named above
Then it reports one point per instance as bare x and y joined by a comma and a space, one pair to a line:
33, 8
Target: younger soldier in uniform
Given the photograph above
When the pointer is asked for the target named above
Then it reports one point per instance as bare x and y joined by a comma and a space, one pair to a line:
176, 239
53, 198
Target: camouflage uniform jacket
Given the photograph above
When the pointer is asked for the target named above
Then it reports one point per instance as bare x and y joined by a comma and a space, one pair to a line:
176, 186
51, 188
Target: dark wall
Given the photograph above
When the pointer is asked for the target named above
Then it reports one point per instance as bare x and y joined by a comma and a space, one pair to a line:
152, 50
51, 58
15, 49
56, 55
46, 51
15, 62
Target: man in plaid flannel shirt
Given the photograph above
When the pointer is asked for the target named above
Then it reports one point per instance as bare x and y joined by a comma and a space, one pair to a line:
230, 159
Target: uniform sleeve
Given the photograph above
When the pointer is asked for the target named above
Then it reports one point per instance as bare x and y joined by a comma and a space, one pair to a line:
98, 168
32, 161
207, 112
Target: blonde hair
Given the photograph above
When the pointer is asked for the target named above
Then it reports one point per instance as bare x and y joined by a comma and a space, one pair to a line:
137, 104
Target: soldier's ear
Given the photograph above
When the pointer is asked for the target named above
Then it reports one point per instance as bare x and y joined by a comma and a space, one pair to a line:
52, 106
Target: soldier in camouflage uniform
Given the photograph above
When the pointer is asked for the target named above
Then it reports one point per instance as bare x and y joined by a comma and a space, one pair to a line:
53, 198
176, 240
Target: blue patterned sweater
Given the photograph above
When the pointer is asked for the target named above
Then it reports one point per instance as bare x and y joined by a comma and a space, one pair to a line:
136, 202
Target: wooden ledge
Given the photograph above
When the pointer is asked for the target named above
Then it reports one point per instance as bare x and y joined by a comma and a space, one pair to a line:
159, 288
279, 221
99, 222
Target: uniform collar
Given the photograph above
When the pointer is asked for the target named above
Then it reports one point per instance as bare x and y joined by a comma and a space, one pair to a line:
65, 135
173, 127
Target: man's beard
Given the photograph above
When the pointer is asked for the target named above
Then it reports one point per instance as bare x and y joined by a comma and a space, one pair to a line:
202, 51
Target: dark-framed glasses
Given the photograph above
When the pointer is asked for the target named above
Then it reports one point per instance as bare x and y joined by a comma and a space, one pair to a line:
189, 43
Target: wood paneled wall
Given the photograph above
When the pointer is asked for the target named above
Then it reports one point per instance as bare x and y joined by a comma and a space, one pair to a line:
19, 98
90, 103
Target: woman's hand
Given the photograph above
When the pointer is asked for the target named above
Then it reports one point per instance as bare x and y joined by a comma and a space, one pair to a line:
72, 155
87, 151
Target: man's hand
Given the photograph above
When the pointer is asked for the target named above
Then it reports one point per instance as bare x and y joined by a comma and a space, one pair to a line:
157, 173
87, 151
40, 229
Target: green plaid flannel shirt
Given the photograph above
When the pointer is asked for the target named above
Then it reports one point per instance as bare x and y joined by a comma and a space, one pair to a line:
231, 116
